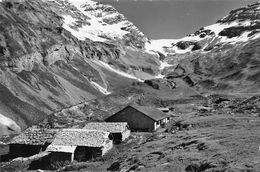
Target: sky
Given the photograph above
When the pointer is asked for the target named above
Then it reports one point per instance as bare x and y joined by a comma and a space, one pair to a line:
169, 19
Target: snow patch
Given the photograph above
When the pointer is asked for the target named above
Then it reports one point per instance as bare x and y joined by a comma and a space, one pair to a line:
8, 126
164, 65
81, 33
100, 88
158, 45
166, 46
107, 66
97, 27
160, 76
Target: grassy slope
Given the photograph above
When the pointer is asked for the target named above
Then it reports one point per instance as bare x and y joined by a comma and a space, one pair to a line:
198, 142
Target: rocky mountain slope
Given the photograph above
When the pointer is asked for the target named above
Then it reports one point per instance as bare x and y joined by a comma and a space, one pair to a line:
78, 61
53, 56
220, 57
60, 54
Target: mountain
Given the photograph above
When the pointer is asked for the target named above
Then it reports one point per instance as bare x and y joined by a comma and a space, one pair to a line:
69, 56
223, 57
55, 54
67, 62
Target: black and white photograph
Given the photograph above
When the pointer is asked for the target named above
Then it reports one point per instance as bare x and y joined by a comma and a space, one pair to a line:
130, 85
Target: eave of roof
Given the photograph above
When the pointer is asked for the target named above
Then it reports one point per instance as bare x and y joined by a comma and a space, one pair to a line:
150, 112
61, 148
111, 127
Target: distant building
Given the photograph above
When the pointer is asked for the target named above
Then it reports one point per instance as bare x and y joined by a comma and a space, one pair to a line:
32, 141
119, 130
79, 144
165, 110
140, 118
168, 111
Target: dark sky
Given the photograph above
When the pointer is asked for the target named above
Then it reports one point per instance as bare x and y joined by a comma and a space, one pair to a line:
160, 19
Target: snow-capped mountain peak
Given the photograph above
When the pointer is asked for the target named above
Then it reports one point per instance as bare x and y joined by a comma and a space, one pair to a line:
87, 19
240, 26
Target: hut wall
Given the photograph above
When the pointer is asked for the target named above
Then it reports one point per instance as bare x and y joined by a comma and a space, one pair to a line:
166, 120
117, 138
161, 123
157, 125
107, 146
135, 119
19, 150
83, 153
47, 162
126, 134
60, 156
4, 150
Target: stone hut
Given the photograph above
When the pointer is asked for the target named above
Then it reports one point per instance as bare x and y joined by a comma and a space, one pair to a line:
31, 142
140, 118
119, 130
79, 144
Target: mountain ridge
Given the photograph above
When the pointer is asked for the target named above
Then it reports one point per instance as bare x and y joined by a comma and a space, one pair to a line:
52, 57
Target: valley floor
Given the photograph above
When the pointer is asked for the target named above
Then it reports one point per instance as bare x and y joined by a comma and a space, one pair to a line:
219, 134
224, 136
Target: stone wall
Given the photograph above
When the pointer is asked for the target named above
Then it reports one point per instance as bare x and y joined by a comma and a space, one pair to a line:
107, 146
126, 134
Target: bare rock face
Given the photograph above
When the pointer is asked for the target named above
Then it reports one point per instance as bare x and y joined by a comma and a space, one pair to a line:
251, 12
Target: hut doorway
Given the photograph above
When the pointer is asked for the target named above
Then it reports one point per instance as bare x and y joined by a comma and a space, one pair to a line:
83, 153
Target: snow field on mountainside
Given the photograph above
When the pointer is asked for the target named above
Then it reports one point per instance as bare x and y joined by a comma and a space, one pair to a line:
97, 29
167, 46
7, 126
100, 88
108, 67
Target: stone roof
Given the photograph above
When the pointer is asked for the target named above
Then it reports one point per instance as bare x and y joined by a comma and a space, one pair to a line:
111, 127
150, 112
81, 137
33, 136
153, 113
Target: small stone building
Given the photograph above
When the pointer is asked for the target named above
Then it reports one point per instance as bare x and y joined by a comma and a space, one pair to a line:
119, 130
140, 118
79, 144
31, 142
